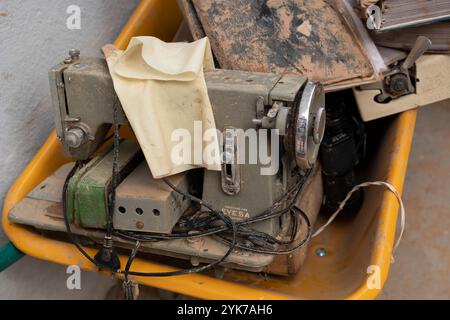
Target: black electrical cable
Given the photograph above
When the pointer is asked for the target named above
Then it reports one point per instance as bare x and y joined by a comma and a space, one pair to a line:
148, 236
282, 251
110, 230
107, 256
127, 283
232, 245
66, 218
265, 215
158, 236
258, 236
228, 222
131, 259
115, 171
297, 188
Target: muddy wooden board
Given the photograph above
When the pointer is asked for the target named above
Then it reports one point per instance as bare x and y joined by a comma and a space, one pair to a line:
311, 38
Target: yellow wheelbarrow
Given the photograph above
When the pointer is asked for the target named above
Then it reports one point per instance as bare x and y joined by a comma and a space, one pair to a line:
350, 260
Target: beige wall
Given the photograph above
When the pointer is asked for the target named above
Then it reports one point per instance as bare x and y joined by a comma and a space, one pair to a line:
33, 37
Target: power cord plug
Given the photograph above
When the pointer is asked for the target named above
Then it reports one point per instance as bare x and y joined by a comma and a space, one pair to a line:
107, 256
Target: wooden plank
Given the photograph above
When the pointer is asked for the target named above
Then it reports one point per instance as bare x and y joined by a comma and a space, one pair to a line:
438, 33
191, 19
398, 15
391, 56
405, 13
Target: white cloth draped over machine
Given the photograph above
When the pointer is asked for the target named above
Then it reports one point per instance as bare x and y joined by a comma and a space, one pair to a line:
161, 87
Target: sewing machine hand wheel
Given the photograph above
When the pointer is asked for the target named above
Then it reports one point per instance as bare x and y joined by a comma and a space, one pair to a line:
309, 125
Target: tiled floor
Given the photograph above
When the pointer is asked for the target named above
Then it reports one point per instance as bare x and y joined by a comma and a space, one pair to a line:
422, 266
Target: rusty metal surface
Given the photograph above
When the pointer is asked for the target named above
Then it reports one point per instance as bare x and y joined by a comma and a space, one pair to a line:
287, 36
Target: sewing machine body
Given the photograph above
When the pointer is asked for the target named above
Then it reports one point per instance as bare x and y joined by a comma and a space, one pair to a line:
84, 98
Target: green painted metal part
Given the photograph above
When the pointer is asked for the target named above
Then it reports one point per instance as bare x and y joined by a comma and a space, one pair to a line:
9, 254
72, 188
89, 188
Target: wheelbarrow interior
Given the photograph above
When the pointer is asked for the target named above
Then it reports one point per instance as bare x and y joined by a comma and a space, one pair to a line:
358, 247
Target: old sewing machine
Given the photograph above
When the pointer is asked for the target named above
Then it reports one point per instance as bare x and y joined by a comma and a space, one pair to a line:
273, 214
